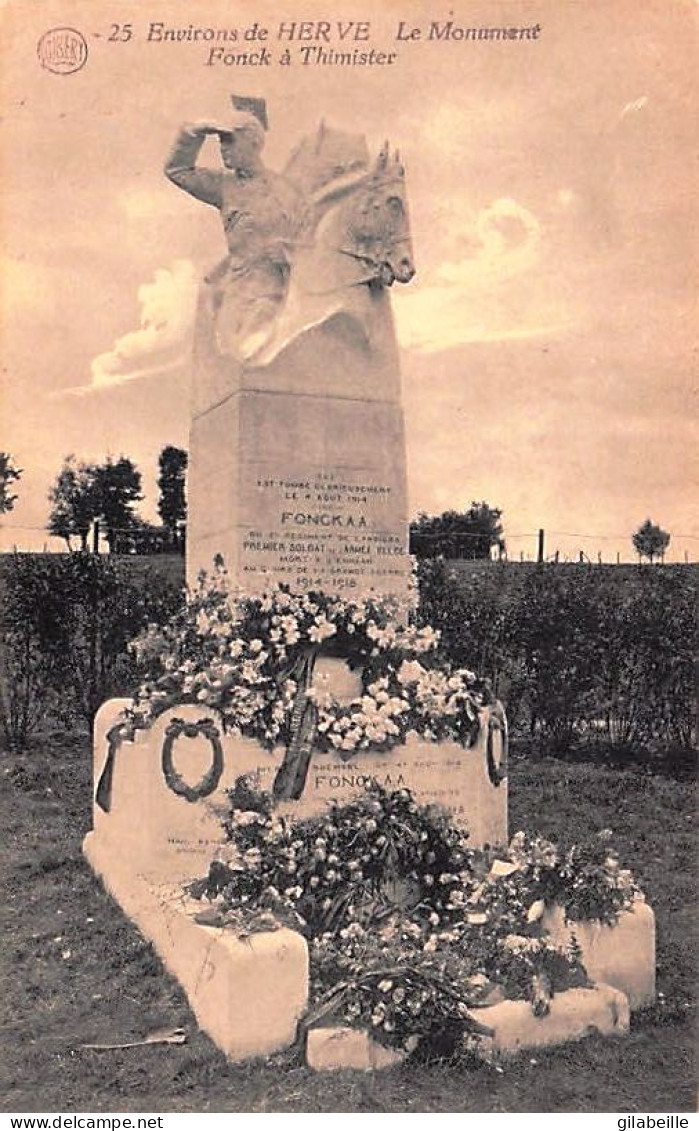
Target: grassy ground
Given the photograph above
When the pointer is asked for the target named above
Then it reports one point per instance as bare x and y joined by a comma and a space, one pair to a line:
76, 971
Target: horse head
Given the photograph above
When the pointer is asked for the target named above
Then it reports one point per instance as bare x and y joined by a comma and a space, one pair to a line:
378, 228
351, 240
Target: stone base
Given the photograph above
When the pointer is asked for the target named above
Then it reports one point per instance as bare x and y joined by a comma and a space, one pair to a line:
574, 1014
247, 995
335, 1048
179, 838
622, 956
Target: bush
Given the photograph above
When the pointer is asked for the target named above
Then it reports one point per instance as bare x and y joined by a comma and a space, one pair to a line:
648, 677
476, 618
31, 613
65, 623
578, 653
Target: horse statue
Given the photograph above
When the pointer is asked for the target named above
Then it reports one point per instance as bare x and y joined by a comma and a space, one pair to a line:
352, 241
295, 346
319, 242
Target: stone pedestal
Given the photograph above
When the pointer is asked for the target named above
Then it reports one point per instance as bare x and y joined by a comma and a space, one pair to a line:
574, 1014
577, 1013
149, 841
297, 468
328, 1049
171, 839
248, 994
622, 955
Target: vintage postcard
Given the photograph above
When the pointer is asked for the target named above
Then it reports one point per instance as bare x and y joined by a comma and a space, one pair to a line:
381, 278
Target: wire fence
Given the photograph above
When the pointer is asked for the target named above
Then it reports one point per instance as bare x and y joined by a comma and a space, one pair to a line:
543, 545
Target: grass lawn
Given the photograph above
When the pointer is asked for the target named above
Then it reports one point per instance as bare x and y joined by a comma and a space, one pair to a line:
76, 971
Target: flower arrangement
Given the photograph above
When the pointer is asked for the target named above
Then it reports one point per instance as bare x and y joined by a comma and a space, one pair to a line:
408, 927
248, 657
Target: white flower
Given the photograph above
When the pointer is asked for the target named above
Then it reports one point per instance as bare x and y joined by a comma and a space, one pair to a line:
410, 671
242, 818
321, 630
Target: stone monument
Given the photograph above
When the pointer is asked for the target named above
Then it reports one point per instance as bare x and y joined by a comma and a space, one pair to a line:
297, 476
297, 454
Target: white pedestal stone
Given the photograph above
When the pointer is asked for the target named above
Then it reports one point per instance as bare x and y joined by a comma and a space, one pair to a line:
178, 838
247, 995
297, 469
622, 955
573, 1015
330, 1049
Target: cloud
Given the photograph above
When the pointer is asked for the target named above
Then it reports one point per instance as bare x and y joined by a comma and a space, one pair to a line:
493, 293
167, 315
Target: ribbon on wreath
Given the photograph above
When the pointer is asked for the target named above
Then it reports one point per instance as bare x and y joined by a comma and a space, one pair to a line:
291, 775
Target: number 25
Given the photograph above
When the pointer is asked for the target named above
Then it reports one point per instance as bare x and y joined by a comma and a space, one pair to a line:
121, 33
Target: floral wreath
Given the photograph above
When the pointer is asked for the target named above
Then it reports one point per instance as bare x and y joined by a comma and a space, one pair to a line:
408, 928
251, 658
175, 729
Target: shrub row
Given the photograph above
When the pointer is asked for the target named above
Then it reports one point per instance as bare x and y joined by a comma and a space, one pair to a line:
65, 623
577, 653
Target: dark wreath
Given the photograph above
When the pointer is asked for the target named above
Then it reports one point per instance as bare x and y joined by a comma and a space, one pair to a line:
497, 771
175, 729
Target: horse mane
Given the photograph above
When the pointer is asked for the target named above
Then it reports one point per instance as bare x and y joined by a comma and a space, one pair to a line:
327, 162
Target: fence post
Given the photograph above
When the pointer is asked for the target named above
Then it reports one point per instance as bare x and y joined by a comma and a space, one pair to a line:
540, 550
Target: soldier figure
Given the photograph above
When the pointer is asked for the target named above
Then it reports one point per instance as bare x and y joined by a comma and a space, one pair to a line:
259, 210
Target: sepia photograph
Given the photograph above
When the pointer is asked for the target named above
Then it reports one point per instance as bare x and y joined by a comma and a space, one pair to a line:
349, 550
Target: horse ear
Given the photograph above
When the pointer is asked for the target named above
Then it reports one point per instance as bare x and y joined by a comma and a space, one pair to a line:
397, 162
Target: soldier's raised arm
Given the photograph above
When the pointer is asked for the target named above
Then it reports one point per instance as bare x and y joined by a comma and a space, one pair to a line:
181, 166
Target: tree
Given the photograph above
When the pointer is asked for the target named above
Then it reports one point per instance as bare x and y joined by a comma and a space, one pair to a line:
144, 538
119, 488
458, 534
9, 474
650, 541
172, 505
76, 501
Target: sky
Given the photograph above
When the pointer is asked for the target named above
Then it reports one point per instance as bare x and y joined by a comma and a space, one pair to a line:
548, 341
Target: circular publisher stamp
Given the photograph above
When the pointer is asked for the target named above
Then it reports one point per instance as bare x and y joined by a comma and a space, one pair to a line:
62, 50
